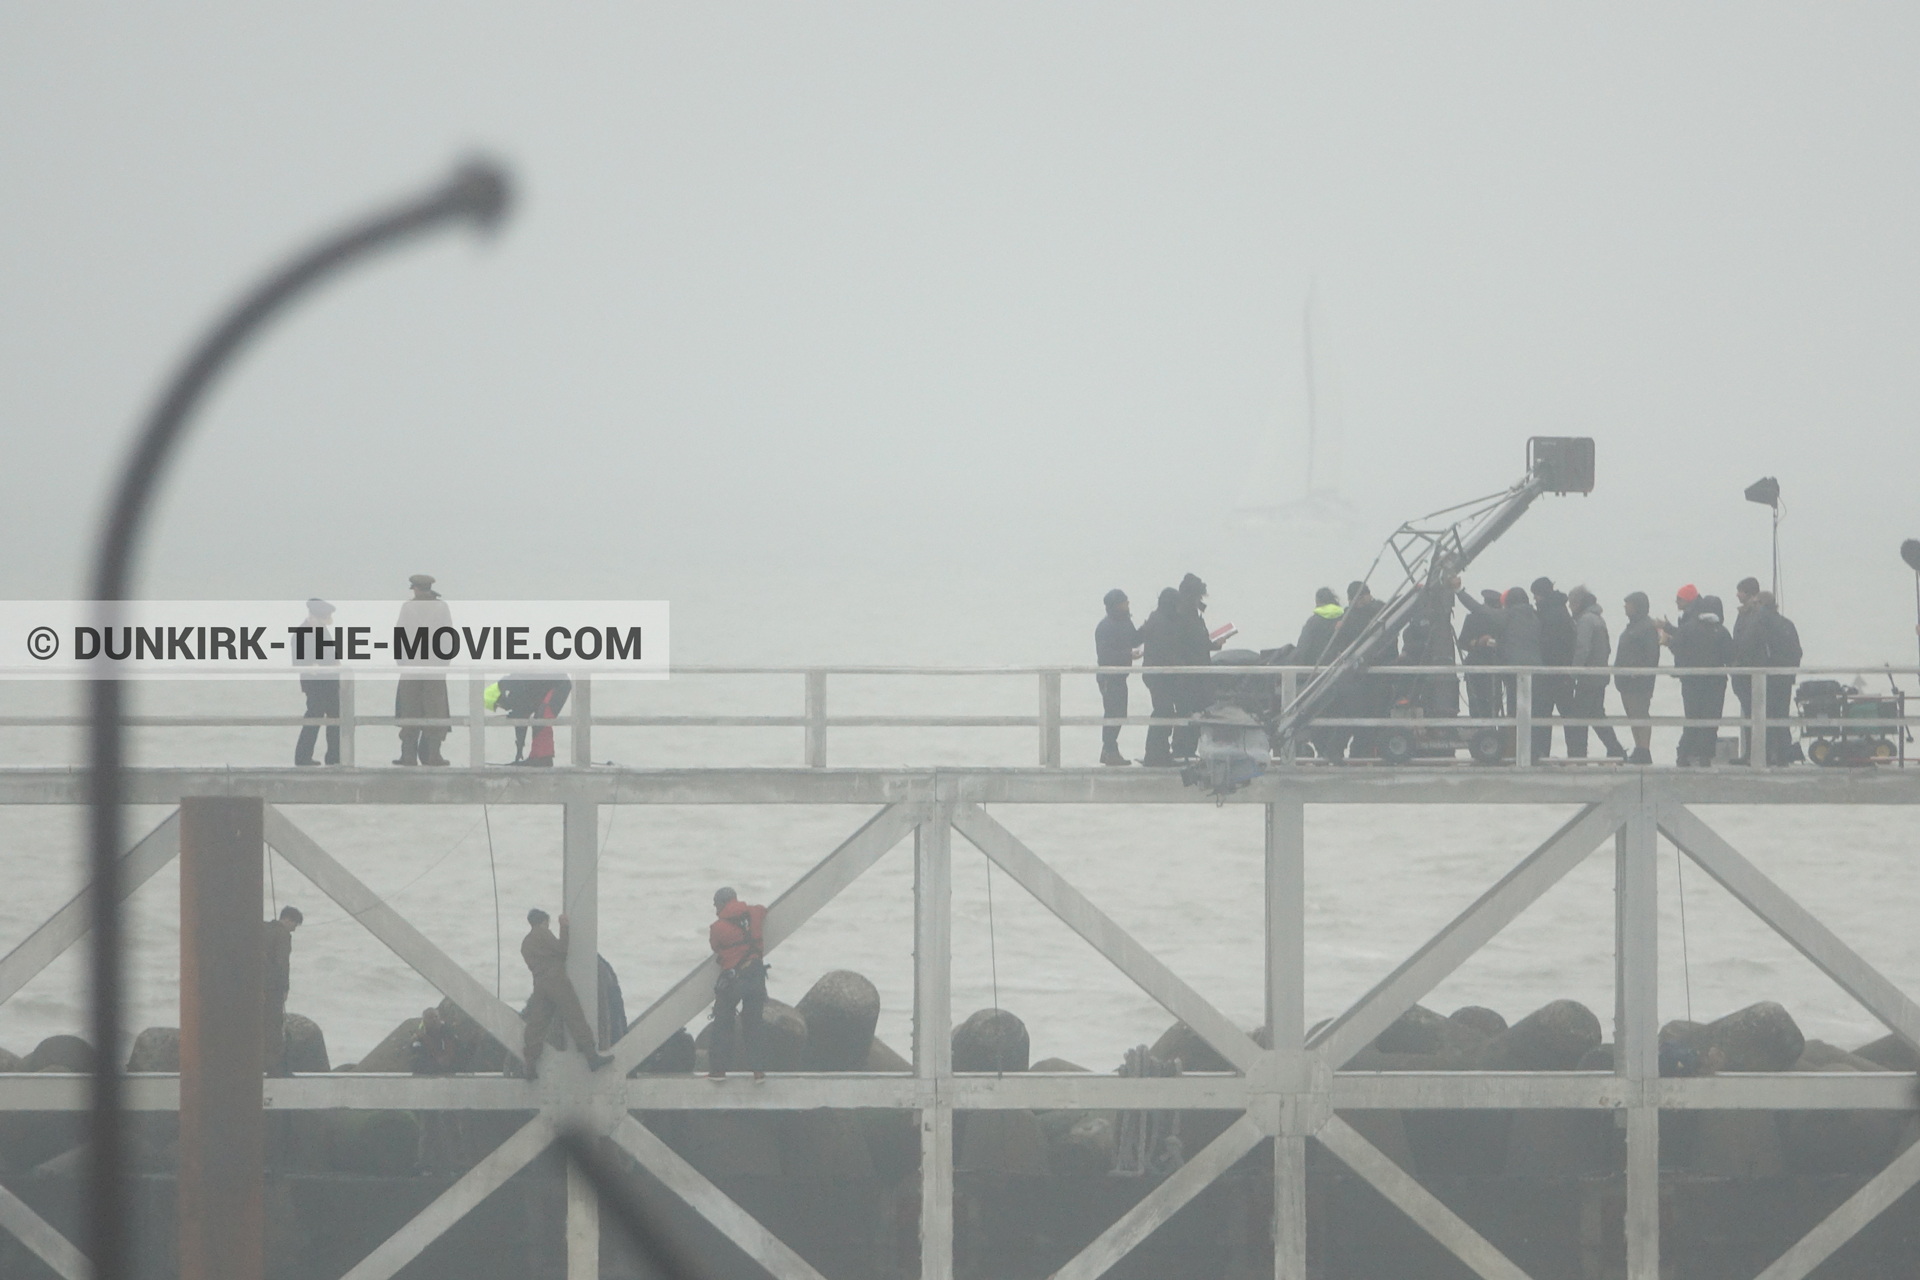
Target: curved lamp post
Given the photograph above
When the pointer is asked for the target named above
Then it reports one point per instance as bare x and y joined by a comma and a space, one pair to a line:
1910, 552
476, 195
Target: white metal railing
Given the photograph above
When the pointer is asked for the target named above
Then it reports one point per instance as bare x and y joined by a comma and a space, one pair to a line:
1049, 718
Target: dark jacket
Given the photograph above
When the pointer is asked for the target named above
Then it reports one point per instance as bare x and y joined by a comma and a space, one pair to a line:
1177, 637
1157, 633
1356, 620
1196, 646
1556, 630
1477, 626
546, 955
277, 960
1113, 641
1700, 639
522, 696
1749, 648
1639, 647
1516, 630
1321, 624
1779, 639
1429, 639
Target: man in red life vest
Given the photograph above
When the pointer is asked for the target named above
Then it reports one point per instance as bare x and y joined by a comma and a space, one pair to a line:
737, 939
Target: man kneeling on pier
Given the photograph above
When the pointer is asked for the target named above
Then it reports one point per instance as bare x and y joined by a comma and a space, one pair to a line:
736, 936
553, 995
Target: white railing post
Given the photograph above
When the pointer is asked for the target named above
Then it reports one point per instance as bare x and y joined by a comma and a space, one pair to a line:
1757, 721
816, 719
347, 721
1289, 690
1049, 719
583, 721
1287, 1023
476, 721
1523, 720
1636, 1033
580, 902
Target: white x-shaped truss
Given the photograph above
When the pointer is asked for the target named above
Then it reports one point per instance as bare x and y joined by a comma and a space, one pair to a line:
1291, 1093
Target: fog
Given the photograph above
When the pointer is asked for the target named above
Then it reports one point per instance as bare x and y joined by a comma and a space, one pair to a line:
864, 333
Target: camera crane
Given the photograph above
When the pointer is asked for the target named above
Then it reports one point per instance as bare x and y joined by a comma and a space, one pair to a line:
1430, 553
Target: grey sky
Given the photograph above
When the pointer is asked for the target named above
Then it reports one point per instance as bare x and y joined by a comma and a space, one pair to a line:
967, 314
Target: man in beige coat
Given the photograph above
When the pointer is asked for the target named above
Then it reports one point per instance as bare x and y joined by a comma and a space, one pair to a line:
422, 696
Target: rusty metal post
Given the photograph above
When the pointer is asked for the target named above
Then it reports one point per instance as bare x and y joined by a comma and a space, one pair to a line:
222, 1049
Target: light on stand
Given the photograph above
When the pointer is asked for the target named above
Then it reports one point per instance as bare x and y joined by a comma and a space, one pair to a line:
1766, 492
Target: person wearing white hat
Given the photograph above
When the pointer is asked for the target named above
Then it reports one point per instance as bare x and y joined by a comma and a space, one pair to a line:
323, 691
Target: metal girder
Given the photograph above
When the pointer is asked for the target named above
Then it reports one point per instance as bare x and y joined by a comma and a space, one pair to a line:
1476, 1090
45, 1243
453, 1204
583, 1225
1289, 1206
1418, 1203
1286, 916
1313, 784
1165, 1200
1109, 939
1845, 1222
304, 855
933, 1035
689, 997
1519, 889
1637, 1026
1286, 878
73, 921
1792, 921
711, 1203
1350, 1091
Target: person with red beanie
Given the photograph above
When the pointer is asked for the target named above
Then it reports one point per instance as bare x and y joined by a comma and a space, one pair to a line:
1699, 640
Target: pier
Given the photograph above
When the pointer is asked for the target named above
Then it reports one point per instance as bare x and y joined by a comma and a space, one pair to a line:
1290, 1089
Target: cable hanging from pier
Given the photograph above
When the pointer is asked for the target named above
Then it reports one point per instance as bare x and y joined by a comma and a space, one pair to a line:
486, 817
993, 967
1686, 967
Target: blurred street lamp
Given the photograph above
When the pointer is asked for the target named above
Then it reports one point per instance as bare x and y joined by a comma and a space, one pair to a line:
476, 195
1766, 492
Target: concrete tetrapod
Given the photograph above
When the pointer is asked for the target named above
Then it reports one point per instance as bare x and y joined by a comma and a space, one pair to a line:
996, 1142
65, 1053
841, 1011
155, 1049
991, 1040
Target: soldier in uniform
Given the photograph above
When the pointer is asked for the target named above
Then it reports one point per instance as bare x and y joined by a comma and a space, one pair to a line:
278, 961
553, 995
422, 697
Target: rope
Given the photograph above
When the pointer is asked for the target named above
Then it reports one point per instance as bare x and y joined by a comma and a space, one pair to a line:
1686, 967
993, 963
273, 892
487, 818
387, 899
